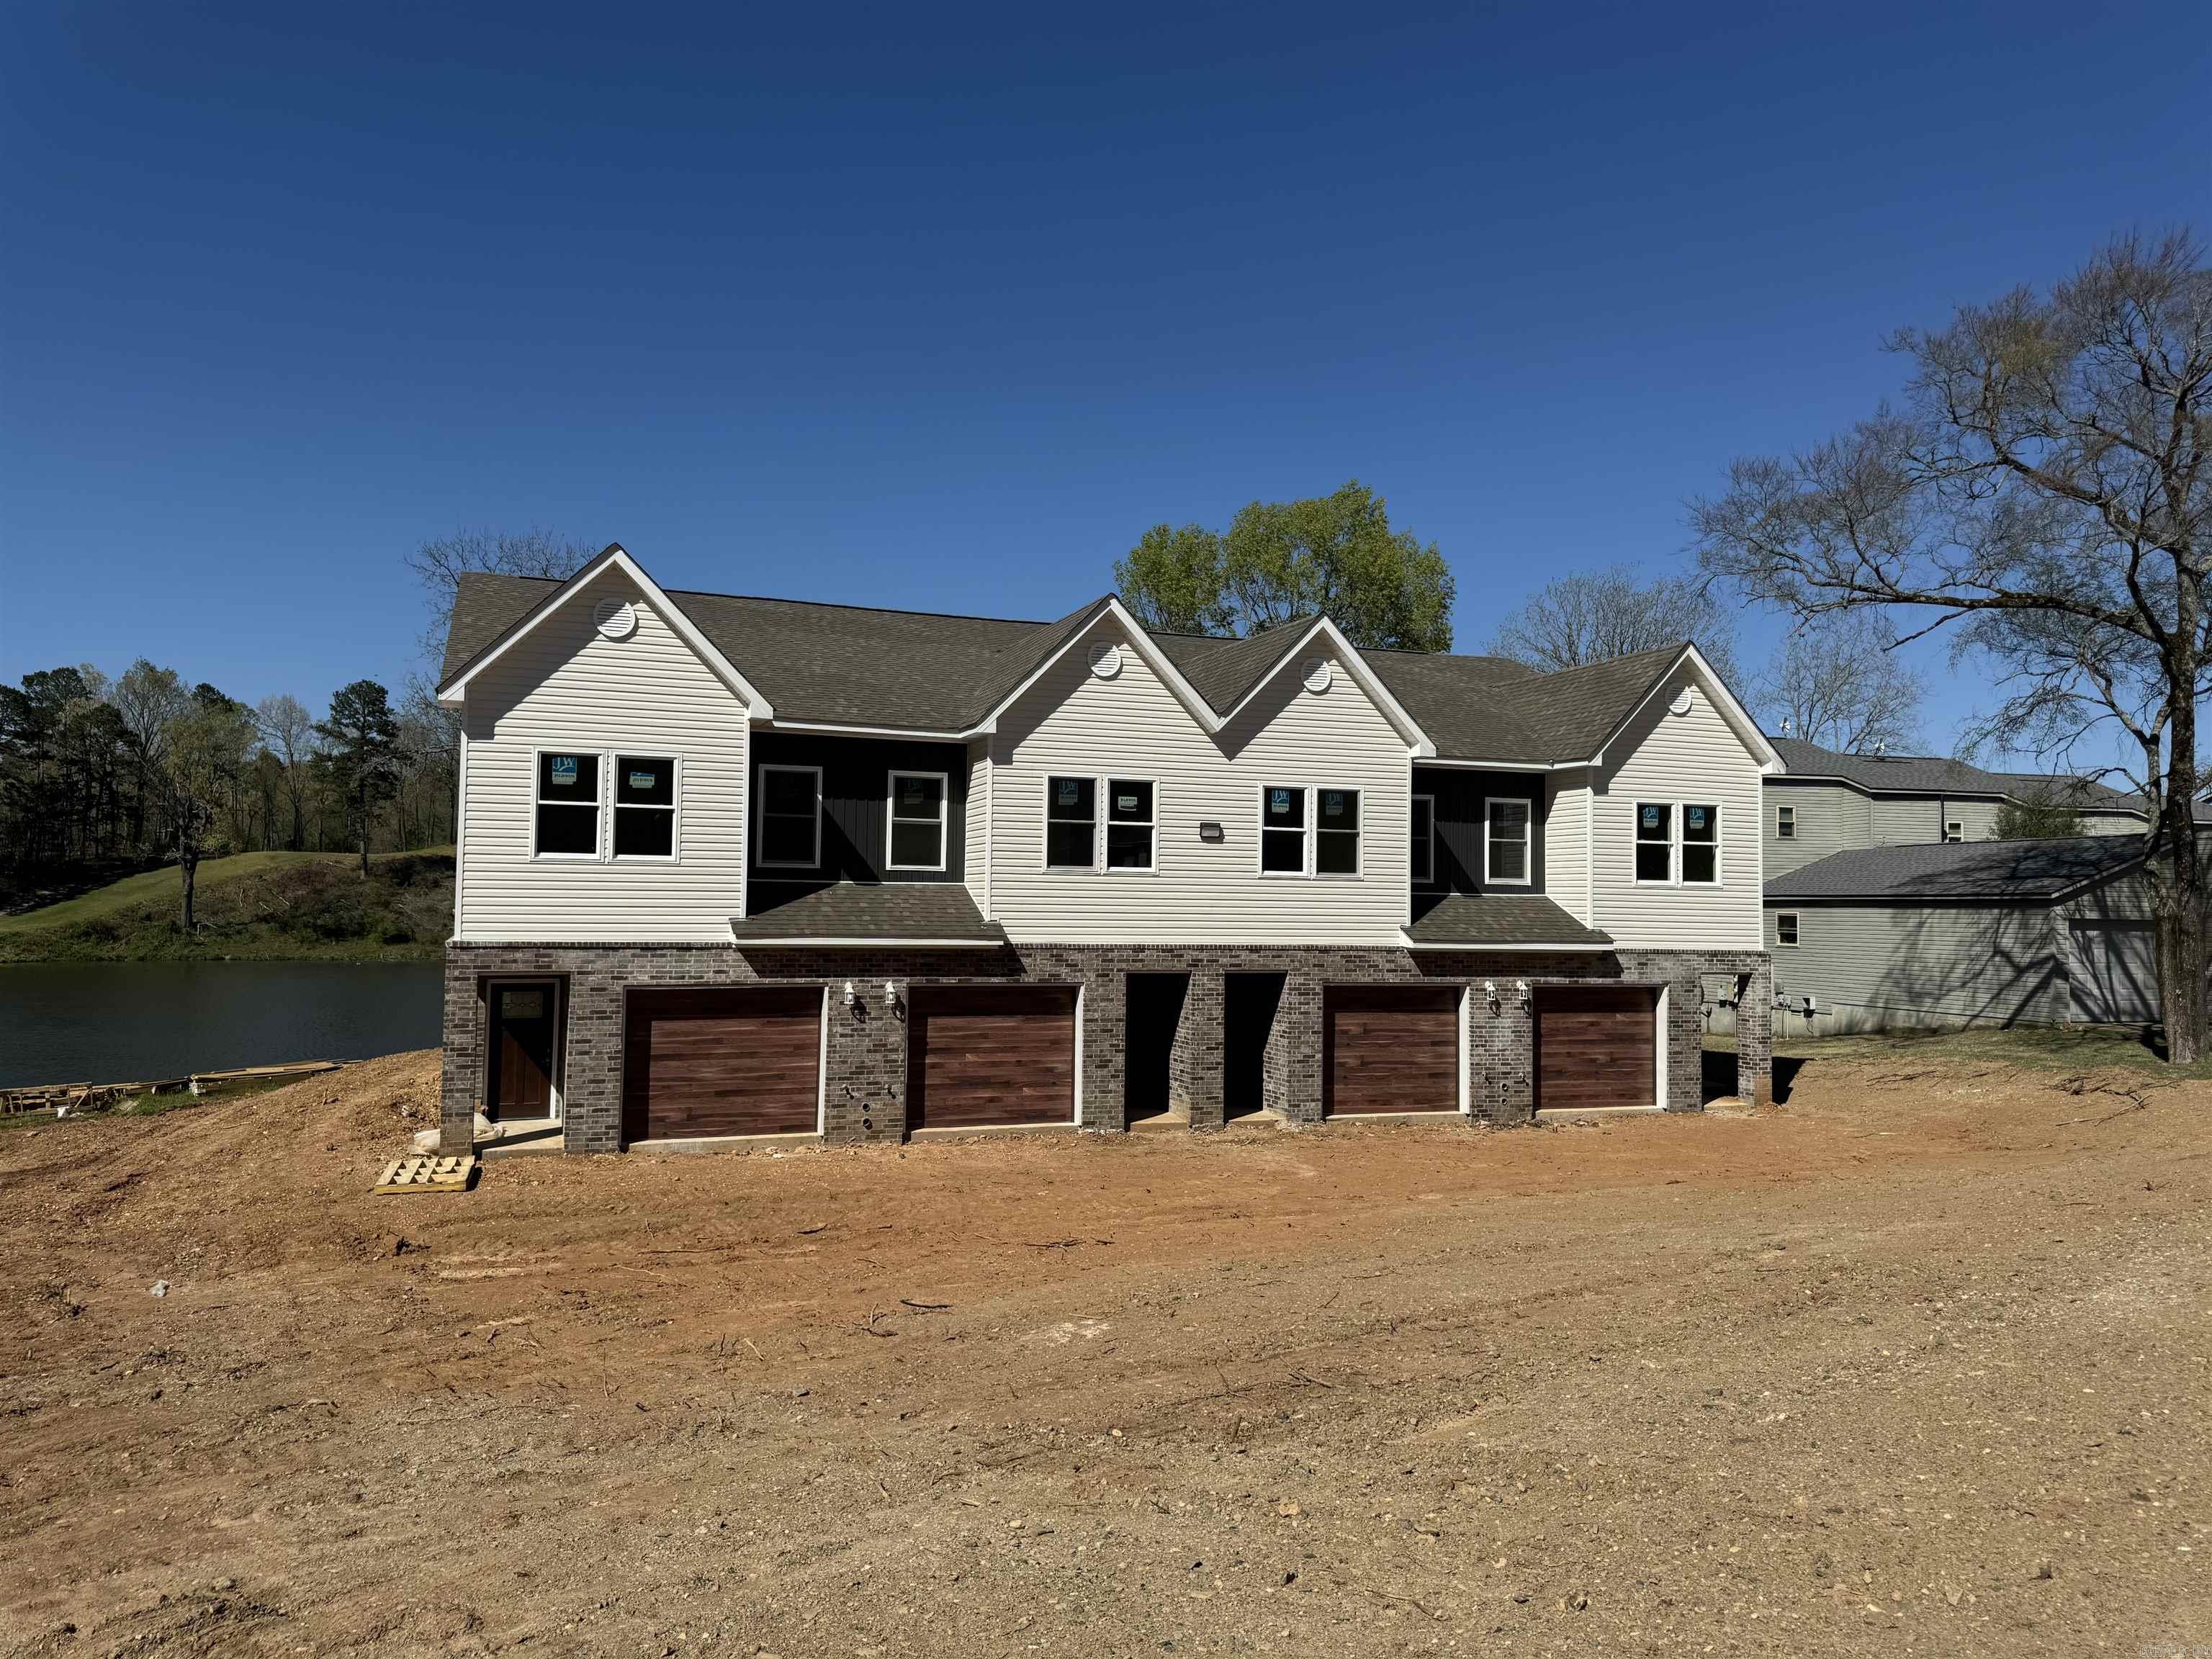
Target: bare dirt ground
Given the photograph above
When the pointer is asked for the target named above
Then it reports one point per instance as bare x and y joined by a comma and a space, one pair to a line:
1919, 1362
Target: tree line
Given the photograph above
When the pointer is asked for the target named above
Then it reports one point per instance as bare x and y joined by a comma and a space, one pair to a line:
100, 775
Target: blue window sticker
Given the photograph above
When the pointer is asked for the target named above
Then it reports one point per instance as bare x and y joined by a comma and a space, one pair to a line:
564, 771
1697, 817
642, 780
1279, 800
1068, 791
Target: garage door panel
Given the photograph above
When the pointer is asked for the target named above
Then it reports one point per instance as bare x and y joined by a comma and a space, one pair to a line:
1389, 1048
983, 1056
722, 1062
1595, 1047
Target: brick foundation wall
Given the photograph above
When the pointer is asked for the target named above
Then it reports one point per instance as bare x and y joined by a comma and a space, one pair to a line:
866, 1069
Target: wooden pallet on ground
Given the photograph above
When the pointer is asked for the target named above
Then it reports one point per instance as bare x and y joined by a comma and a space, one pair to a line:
432, 1174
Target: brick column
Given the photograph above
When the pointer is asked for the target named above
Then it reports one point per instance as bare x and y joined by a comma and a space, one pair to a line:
1755, 1033
1502, 1084
1104, 1013
461, 1082
1292, 1058
1194, 1065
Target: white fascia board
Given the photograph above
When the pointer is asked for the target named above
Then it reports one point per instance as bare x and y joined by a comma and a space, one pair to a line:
1746, 729
1356, 666
454, 692
1454, 761
1154, 658
803, 940
834, 729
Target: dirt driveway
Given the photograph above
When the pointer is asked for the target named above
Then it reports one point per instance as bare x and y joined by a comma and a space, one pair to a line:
1921, 1363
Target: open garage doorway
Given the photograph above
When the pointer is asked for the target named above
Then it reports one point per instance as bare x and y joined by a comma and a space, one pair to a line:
1153, 1024
1249, 1003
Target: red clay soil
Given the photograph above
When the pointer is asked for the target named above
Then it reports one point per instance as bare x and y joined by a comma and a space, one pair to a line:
1919, 1363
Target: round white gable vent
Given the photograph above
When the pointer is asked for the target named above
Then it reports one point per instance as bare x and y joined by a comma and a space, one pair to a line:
615, 619
1317, 676
1684, 701
1105, 659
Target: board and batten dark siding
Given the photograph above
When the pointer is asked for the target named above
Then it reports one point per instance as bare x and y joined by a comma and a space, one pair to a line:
1461, 823
856, 805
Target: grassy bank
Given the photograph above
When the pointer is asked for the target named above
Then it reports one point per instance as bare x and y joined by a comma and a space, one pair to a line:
253, 907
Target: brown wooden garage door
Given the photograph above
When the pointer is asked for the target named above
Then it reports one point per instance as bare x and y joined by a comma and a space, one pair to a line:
980, 1054
1594, 1047
721, 1062
1389, 1048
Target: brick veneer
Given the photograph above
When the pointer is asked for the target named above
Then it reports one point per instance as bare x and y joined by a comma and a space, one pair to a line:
866, 1069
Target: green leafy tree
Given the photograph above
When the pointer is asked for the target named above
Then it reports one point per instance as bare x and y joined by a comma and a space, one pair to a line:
361, 743
204, 755
1281, 561
2044, 817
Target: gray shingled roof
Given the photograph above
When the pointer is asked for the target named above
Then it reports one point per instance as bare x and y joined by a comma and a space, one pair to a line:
899, 912
1930, 775
1475, 919
2000, 871
850, 665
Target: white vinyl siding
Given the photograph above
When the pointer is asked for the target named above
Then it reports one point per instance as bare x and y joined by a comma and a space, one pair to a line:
1673, 758
565, 688
977, 869
1073, 724
1565, 843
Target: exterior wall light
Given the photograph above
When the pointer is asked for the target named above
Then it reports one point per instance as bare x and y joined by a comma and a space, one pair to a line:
848, 993
1521, 987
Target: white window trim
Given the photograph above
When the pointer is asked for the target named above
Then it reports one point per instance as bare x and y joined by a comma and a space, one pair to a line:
1720, 836
891, 820
1528, 841
1358, 871
1044, 840
600, 839
1304, 871
674, 809
761, 815
1798, 926
1674, 830
1958, 824
1425, 875
1636, 843
1106, 827
1785, 823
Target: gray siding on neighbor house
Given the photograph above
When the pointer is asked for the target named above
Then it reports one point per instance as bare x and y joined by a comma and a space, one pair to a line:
1869, 966
1831, 817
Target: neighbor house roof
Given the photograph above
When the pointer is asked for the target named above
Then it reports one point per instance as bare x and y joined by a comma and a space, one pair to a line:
1937, 774
909, 913
1512, 920
1991, 871
917, 670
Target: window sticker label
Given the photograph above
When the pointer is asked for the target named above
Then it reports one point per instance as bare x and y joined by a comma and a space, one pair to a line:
1125, 803
1279, 800
641, 779
1697, 817
1068, 791
1332, 802
1650, 817
564, 771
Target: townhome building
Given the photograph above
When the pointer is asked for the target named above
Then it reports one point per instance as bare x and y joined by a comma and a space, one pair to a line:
734, 867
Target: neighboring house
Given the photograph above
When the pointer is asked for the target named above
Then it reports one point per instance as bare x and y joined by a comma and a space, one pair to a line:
2021, 932
739, 867
1828, 802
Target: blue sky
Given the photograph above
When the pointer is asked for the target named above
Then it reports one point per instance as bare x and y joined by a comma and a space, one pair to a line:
941, 309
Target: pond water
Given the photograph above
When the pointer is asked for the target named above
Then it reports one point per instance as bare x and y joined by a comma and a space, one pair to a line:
119, 1022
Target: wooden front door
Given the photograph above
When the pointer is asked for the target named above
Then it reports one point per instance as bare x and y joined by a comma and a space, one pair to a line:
1596, 1047
983, 1055
524, 1019
1389, 1048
